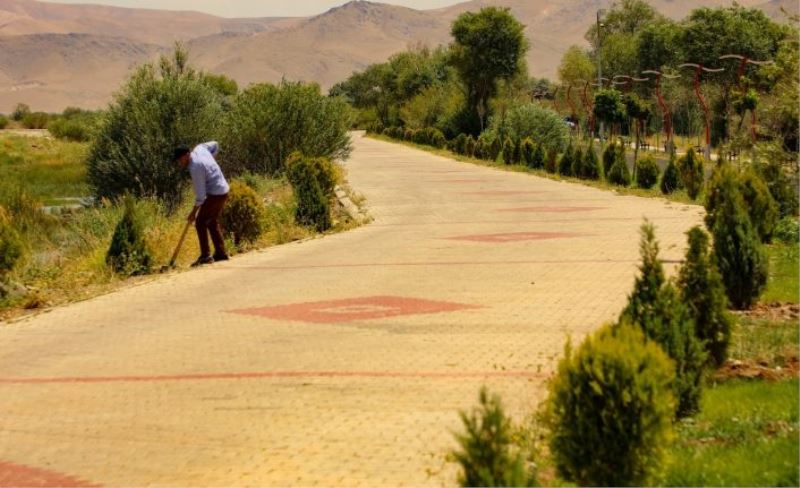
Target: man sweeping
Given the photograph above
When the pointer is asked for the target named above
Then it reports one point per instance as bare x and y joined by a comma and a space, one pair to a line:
211, 191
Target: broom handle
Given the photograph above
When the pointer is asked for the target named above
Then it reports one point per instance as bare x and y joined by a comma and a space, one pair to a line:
180, 244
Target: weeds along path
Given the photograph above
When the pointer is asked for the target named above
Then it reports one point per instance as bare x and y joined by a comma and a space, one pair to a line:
340, 361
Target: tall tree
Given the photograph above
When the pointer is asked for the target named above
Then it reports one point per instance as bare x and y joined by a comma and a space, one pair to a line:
488, 46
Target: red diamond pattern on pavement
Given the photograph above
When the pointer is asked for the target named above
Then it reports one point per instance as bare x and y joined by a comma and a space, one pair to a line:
354, 309
18, 475
516, 237
551, 209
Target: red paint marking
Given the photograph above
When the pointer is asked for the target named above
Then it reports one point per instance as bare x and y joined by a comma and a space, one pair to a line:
491, 193
551, 209
353, 309
516, 237
461, 181
17, 475
271, 375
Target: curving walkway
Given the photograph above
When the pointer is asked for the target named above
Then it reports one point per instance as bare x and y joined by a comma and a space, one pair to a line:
339, 361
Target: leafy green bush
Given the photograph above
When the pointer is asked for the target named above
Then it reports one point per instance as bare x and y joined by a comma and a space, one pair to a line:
691, 169
128, 253
269, 122
243, 215
11, 246
517, 154
737, 247
788, 230
508, 151
487, 455
671, 179
528, 150
702, 290
646, 172
4, 122
551, 163
408, 134
610, 410
481, 149
535, 121
495, 148
591, 168
538, 157
459, 144
657, 307
74, 124
152, 114
36, 120
565, 163
20, 111
313, 181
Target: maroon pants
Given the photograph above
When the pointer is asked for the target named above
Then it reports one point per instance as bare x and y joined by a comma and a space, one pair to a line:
208, 223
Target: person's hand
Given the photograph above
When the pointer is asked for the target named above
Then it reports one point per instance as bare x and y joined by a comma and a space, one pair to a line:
193, 215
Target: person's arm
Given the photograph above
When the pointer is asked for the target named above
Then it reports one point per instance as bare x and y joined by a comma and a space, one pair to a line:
212, 146
199, 184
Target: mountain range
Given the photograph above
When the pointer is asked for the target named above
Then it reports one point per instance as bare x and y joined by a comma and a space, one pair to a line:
58, 55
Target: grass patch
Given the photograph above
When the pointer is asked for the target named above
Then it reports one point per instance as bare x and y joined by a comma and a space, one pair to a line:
769, 343
745, 435
45, 168
784, 273
678, 196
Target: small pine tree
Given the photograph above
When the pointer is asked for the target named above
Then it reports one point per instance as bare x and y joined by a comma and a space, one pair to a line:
737, 248
610, 409
508, 151
487, 456
646, 172
658, 308
761, 206
495, 148
620, 174
242, 216
538, 157
591, 165
551, 164
577, 162
565, 163
469, 147
517, 157
313, 205
671, 180
528, 150
128, 253
480, 149
691, 170
702, 290
609, 156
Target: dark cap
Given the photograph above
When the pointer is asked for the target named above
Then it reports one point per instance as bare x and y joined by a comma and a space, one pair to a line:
180, 151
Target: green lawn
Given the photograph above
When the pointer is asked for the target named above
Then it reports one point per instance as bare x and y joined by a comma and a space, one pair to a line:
46, 169
784, 273
745, 435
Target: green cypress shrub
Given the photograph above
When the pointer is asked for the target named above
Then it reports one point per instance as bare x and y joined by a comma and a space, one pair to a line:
469, 147
577, 163
620, 174
690, 167
591, 165
481, 150
609, 156
487, 455
435, 138
565, 163
538, 157
408, 135
657, 307
11, 247
243, 215
610, 409
702, 290
646, 172
671, 180
312, 188
738, 250
517, 157
528, 150
551, 163
459, 143
761, 206
128, 253
508, 151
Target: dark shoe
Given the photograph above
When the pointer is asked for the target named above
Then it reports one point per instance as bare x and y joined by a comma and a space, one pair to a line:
203, 260
221, 257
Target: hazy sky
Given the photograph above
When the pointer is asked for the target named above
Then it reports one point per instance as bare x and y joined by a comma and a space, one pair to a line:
255, 8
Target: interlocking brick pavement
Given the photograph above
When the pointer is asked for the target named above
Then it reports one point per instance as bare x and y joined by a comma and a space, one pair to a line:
160, 384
